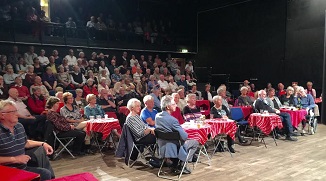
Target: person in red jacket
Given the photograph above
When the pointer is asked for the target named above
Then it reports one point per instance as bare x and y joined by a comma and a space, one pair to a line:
23, 92
90, 88
177, 113
36, 102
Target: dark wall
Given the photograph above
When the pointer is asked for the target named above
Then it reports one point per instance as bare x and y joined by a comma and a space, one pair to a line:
245, 40
305, 39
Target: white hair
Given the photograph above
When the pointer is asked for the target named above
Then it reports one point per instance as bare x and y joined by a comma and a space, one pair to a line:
215, 98
220, 90
132, 102
243, 88
189, 96
261, 92
147, 98
165, 102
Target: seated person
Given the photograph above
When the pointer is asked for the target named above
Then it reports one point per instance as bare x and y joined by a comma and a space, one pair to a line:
12, 152
304, 101
38, 83
80, 101
90, 88
288, 98
49, 79
72, 114
36, 102
140, 131
106, 101
156, 92
272, 100
148, 113
261, 104
167, 123
23, 92
122, 98
32, 124
244, 99
177, 113
63, 128
92, 109
221, 111
207, 95
78, 80
191, 111
310, 90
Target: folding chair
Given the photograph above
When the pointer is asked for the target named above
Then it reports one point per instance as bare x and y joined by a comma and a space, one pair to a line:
141, 150
219, 139
51, 138
237, 115
170, 136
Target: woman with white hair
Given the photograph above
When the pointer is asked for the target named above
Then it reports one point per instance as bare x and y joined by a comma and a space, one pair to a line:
148, 113
244, 99
90, 88
191, 111
103, 74
102, 84
177, 113
221, 111
140, 131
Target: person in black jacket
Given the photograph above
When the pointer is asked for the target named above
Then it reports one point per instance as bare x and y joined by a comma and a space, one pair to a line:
207, 95
261, 104
288, 98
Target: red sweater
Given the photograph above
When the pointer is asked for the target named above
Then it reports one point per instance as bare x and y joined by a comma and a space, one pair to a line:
89, 90
177, 115
36, 105
22, 91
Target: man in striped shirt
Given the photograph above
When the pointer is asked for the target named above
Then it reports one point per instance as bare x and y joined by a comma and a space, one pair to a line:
13, 142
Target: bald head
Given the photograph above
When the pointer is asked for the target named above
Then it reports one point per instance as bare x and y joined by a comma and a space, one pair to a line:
13, 93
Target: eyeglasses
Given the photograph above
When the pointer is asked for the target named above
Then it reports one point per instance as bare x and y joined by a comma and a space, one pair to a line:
7, 112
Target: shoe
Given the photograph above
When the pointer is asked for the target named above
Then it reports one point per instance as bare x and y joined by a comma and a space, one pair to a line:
278, 136
295, 134
303, 132
291, 138
312, 132
194, 158
231, 150
185, 170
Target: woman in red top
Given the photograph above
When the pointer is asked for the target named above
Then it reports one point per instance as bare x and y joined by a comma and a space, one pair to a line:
90, 88
36, 102
177, 113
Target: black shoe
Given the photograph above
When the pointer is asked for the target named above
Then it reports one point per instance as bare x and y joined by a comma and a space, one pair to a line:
194, 158
231, 150
295, 134
291, 138
186, 171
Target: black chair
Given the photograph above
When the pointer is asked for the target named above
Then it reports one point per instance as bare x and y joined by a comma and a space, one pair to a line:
170, 136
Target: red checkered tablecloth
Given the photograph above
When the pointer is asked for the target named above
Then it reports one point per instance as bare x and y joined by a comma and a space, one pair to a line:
104, 126
296, 115
198, 134
265, 122
220, 126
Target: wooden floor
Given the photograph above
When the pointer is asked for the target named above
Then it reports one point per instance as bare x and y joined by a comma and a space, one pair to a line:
302, 160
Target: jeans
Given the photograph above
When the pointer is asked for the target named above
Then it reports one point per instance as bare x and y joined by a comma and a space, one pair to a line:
44, 173
287, 123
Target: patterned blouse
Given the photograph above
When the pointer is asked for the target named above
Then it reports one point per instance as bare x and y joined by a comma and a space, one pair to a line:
93, 111
136, 126
71, 114
60, 123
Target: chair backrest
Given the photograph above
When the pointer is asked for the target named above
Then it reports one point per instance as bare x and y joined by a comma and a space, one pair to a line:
167, 135
236, 114
204, 104
49, 136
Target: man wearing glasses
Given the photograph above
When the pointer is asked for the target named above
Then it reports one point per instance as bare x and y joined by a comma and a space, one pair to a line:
13, 142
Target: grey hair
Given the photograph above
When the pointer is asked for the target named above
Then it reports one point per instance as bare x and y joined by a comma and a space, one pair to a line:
189, 96
34, 89
165, 102
260, 92
147, 98
5, 103
219, 90
131, 103
174, 94
243, 88
215, 98
29, 66
290, 88
79, 90
90, 79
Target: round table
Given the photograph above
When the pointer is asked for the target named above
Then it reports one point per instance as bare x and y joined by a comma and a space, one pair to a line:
198, 134
296, 115
104, 126
221, 126
265, 122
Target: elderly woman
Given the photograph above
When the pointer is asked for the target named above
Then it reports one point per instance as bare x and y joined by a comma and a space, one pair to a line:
288, 98
29, 76
36, 102
72, 114
273, 100
21, 65
103, 74
38, 83
3, 89
148, 113
90, 88
151, 83
9, 77
62, 127
191, 111
221, 111
177, 113
102, 84
141, 87
140, 131
38, 69
90, 75
92, 109
64, 79
165, 122
80, 101
49, 79
310, 90
173, 85
244, 99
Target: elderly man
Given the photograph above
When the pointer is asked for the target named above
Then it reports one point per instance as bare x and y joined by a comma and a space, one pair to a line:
77, 78
183, 82
38, 83
72, 60
262, 104
182, 102
23, 92
32, 124
148, 113
167, 123
156, 92
106, 101
163, 83
221, 91
14, 142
